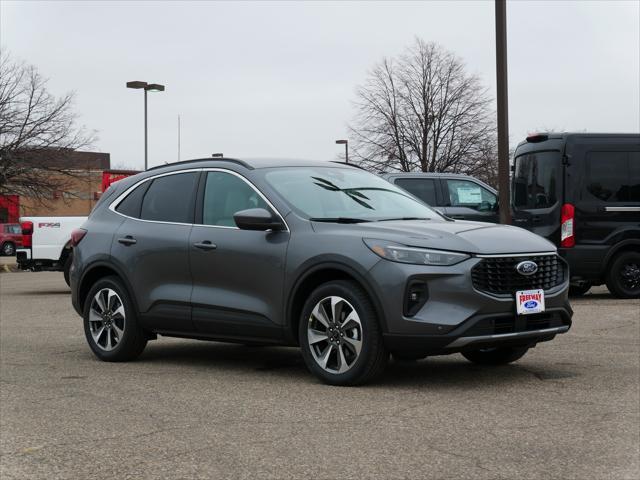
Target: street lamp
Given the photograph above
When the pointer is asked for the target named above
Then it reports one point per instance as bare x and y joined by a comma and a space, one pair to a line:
346, 148
147, 87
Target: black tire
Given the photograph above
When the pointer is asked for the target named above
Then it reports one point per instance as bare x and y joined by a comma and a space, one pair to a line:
407, 357
579, 290
8, 249
66, 270
623, 275
495, 356
373, 356
133, 339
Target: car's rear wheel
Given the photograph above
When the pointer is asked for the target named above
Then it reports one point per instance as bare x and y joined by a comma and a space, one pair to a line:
339, 335
8, 249
495, 356
110, 323
66, 269
623, 277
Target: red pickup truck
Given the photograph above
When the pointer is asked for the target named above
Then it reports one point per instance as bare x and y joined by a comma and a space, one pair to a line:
10, 238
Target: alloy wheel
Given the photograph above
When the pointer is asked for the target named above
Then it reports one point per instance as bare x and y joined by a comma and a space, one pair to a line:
630, 276
107, 319
334, 333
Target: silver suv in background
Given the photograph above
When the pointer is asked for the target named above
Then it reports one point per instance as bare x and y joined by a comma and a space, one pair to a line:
328, 257
458, 196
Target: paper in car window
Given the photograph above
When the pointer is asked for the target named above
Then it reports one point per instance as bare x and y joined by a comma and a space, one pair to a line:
469, 195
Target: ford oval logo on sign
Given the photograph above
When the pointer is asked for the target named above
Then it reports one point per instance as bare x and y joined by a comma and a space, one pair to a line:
527, 267
530, 304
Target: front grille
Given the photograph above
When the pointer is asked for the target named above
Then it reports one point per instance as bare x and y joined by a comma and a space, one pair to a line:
498, 275
515, 324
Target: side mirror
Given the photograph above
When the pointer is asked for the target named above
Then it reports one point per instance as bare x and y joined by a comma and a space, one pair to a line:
257, 219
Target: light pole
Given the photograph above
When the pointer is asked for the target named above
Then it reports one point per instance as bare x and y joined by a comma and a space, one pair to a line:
346, 148
147, 87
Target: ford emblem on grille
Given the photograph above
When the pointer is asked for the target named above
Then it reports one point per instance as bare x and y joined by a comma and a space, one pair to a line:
527, 268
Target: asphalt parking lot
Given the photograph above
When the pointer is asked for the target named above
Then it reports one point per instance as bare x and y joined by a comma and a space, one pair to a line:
188, 409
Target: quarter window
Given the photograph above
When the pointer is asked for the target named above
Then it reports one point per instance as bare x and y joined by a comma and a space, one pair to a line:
423, 188
226, 194
169, 198
132, 203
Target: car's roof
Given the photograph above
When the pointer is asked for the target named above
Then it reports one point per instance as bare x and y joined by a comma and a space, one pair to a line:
425, 174
253, 163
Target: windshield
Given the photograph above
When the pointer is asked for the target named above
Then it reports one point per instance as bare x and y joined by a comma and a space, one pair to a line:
335, 194
536, 180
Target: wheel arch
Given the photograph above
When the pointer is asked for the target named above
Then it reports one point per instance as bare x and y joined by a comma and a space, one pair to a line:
632, 245
315, 276
95, 272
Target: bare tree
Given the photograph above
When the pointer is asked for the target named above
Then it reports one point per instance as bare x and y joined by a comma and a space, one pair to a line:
38, 132
422, 111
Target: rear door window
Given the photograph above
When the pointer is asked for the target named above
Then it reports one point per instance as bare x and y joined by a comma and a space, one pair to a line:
536, 180
423, 188
465, 193
170, 198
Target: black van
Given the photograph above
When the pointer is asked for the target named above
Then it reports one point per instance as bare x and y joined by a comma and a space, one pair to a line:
582, 192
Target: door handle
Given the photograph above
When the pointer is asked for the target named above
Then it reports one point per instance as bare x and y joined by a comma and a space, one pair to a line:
206, 245
128, 240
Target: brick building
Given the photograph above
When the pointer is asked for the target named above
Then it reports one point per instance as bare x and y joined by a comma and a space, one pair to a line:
82, 191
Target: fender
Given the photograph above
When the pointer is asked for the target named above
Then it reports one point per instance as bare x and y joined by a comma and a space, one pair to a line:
335, 262
616, 248
104, 261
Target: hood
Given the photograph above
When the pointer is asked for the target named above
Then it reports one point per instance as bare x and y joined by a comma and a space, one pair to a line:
457, 236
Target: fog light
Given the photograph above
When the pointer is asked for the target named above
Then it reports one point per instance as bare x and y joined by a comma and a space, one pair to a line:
415, 297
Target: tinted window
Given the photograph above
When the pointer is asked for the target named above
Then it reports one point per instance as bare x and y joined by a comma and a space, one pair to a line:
536, 180
613, 176
464, 193
226, 194
423, 188
169, 198
132, 203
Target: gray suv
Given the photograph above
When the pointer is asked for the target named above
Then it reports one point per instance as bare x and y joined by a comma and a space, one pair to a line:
322, 255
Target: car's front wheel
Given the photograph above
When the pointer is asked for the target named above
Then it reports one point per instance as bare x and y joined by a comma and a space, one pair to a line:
339, 335
110, 323
495, 356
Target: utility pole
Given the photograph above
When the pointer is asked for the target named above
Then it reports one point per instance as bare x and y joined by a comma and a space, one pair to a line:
503, 111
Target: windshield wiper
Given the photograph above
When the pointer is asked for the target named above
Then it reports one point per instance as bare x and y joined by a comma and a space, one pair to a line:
339, 220
403, 218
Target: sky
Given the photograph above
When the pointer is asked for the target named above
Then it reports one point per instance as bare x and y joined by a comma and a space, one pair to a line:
278, 79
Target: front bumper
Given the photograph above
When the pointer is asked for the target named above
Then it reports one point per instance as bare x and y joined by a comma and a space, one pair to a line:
456, 316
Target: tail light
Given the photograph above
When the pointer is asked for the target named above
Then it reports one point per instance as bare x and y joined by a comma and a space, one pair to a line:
77, 235
27, 232
567, 226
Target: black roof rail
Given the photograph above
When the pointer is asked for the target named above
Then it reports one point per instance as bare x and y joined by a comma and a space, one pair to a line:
349, 164
199, 160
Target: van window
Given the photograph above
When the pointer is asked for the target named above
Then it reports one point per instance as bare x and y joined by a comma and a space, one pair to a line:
536, 180
606, 175
423, 188
169, 198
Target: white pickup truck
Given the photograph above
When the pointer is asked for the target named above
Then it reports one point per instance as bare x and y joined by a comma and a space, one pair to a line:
46, 243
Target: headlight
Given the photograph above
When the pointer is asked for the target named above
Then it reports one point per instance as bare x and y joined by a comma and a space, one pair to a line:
418, 256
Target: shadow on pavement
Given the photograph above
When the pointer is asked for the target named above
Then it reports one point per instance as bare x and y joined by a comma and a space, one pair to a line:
441, 371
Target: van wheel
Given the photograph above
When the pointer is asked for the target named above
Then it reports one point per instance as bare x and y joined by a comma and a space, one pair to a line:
495, 356
110, 322
339, 335
623, 277
8, 249
579, 290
